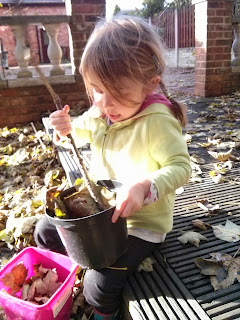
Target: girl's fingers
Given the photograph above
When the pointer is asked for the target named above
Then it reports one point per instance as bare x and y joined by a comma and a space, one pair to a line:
66, 108
61, 121
124, 212
118, 211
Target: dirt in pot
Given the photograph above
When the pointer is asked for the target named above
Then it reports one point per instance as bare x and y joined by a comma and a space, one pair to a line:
76, 202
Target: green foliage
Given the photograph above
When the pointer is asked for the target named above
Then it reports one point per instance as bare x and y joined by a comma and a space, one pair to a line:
117, 9
151, 8
176, 4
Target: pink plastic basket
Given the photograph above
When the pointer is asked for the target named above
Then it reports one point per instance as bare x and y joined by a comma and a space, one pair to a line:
59, 305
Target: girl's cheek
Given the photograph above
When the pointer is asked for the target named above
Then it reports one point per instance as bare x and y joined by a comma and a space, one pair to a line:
97, 99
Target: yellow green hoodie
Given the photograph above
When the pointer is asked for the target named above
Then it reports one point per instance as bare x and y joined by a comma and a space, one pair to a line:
148, 145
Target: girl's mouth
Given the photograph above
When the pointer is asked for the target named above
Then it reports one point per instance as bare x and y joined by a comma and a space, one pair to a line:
114, 116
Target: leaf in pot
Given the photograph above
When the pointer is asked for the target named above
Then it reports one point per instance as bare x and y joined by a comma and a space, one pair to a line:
50, 194
108, 197
80, 204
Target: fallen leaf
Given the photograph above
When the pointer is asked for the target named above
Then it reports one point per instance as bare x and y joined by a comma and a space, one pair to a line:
221, 156
192, 237
180, 190
222, 268
146, 265
195, 158
230, 232
216, 177
25, 289
50, 282
15, 278
208, 207
200, 224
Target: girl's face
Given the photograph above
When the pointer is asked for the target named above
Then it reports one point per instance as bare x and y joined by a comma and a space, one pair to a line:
118, 110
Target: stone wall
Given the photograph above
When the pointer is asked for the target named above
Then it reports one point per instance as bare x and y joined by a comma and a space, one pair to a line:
186, 57
8, 38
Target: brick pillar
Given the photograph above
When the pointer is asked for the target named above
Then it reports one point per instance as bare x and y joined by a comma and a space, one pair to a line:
213, 33
84, 14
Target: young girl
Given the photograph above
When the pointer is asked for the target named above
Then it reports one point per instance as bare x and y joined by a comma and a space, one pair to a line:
136, 139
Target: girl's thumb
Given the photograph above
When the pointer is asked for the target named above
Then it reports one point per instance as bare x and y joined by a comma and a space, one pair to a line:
66, 108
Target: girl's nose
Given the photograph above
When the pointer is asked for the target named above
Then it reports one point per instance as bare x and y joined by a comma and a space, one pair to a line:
108, 100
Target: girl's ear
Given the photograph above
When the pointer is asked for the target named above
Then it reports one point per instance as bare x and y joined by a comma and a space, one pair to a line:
153, 84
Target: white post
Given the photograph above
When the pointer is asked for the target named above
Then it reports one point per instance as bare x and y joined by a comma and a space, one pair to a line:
54, 50
22, 52
236, 46
176, 38
110, 6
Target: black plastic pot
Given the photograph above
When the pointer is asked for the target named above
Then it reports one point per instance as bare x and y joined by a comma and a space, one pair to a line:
93, 242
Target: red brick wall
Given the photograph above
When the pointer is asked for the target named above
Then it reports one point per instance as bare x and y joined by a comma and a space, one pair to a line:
18, 105
84, 14
213, 48
31, 37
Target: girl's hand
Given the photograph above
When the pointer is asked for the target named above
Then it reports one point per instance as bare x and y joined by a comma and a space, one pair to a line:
130, 199
61, 121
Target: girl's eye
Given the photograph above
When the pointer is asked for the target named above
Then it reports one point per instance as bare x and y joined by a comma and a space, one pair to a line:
97, 90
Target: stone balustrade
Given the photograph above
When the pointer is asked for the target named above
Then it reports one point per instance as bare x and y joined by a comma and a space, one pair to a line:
22, 51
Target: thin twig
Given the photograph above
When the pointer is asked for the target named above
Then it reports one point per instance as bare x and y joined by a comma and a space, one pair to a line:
236, 252
89, 183
232, 260
10, 8
39, 139
90, 315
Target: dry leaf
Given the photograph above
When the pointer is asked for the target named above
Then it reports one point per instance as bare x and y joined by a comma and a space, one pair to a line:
222, 269
15, 278
200, 224
230, 232
180, 190
146, 265
221, 156
192, 237
195, 158
216, 177
208, 207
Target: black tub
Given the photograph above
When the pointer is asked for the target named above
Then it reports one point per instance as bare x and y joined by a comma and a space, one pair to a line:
93, 242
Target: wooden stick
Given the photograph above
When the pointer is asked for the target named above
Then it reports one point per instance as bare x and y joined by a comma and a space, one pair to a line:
83, 170
39, 139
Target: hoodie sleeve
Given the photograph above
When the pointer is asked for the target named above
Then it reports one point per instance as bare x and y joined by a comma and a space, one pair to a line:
168, 147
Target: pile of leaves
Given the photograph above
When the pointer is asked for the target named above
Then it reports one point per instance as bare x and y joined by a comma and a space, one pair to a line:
37, 288
28, 168
213, 138
214, 132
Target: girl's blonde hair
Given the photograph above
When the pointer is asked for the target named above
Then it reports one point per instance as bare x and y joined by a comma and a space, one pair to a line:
125, 47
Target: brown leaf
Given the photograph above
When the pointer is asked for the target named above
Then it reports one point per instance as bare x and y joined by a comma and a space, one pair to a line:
222, 269
200, 224
15, 278
39, 271
208, 207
